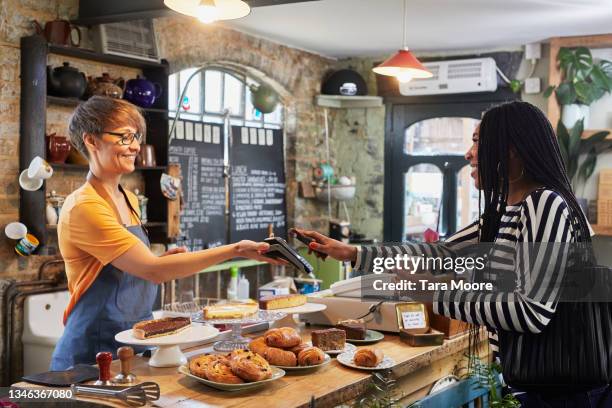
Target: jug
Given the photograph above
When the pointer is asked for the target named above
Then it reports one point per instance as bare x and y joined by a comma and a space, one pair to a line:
58, 32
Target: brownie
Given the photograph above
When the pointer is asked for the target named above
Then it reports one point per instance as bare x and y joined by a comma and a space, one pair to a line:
329, 339
355, 329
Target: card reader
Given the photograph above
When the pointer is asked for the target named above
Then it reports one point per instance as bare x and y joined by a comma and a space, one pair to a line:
279, 248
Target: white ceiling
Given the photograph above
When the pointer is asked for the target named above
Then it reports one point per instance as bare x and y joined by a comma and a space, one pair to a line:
346, 28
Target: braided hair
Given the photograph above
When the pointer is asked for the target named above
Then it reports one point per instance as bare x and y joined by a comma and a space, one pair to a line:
524, 127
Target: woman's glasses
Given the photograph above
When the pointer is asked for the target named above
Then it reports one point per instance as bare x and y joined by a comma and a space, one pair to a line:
127, 138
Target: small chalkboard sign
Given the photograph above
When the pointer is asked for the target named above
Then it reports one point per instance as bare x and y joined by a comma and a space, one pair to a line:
198, 148
257, 184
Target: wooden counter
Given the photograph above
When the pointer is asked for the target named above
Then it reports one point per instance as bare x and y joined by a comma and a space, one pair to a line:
415, 370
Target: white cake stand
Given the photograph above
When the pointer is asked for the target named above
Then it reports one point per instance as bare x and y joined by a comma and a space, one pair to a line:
168, 352
293, 313
236, 340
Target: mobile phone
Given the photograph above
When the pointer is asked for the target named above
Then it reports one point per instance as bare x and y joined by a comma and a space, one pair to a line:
306, 241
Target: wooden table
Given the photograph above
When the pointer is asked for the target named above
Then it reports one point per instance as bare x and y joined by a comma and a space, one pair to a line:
415, 370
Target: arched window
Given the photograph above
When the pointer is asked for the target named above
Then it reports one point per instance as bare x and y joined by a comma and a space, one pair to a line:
212, 91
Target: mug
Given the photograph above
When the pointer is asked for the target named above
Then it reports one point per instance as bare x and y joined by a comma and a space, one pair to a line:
146, 156
39, 169
26, 245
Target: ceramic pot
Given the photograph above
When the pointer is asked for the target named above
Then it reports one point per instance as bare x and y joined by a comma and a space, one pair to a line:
58, 32
105, 86
65, 81
146, 156
573, 113
58, 148
142, 92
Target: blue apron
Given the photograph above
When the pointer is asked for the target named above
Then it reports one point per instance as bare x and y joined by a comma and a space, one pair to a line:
113, 303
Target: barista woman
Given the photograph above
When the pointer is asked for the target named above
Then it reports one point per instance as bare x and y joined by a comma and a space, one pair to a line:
112, 274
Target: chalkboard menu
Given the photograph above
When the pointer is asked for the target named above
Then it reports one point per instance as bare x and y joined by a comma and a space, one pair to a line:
198, 148
257, 183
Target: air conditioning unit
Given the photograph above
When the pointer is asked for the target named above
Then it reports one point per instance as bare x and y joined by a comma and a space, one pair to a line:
453, 77
134, 39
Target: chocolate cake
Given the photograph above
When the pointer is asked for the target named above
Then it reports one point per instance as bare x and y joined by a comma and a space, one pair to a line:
354, 329
160, 327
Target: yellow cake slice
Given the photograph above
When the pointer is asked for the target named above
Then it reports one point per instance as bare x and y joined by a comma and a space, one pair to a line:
231, 310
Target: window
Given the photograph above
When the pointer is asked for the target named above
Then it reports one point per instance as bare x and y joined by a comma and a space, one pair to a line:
212, 91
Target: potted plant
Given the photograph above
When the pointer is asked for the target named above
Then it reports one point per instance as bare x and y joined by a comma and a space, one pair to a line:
572, 146
584, 82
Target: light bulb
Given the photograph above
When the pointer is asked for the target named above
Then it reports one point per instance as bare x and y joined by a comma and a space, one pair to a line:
403, 76
207, 12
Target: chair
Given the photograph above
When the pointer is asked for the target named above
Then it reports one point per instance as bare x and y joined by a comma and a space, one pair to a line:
465, 393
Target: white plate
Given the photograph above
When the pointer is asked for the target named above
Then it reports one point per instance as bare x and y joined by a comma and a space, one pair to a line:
276, 374
306, 368
303, 309
193, 334
347, 360
348, 347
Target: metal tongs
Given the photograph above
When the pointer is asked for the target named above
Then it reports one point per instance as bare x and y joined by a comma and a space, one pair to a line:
135, 396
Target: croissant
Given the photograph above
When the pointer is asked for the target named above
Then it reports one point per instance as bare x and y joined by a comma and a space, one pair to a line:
296, 350
273, 355
311, 356
284, 337
368, 357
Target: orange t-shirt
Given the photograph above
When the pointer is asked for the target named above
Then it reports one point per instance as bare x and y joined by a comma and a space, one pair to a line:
91, 236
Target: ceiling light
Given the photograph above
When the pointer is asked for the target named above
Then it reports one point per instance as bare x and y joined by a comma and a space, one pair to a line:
403, 65
209, 11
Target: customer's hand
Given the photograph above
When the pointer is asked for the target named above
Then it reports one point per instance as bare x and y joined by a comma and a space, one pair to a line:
336, 249
256, 250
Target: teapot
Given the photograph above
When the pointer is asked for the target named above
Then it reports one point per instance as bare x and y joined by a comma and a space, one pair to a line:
58, 32
142, 92
65, 81
105, 86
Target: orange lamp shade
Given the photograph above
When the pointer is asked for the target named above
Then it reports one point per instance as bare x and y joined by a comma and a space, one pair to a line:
403, 63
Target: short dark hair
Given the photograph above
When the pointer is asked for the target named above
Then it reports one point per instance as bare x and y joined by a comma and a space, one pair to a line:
99, 113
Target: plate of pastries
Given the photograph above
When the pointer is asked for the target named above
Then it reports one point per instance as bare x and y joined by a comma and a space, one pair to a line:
366, 358
332, 341
357, 332
283, 347
235, 371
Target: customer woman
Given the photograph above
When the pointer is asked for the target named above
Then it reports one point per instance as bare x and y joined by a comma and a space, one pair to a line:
112, 275
553, 354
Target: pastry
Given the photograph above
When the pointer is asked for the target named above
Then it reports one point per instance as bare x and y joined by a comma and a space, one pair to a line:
329, 339
296, 350
160, 327
354, 329
273, 355
198, 365
281, 301
284, 337
311, 356
249, 366
221, 371
231, 310
368, 357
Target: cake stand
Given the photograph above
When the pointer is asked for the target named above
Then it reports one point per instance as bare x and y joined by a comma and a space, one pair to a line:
292, 318
168, 352
236, 340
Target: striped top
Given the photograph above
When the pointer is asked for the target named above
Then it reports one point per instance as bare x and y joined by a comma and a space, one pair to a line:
543, 216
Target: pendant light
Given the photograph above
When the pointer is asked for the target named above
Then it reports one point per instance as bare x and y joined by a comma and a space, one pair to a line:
209, 11
403, 65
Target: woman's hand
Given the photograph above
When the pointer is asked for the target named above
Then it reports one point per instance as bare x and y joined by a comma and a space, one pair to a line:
255, 250
336, 249
176, 250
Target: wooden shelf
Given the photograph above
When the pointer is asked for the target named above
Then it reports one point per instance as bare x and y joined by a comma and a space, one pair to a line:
71, 166
605, 231
591, 132
104, 58
341, 101
57, 100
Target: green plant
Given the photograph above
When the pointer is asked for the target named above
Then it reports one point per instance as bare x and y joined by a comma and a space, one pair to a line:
584, 80
487, 376
572, 146
379, 394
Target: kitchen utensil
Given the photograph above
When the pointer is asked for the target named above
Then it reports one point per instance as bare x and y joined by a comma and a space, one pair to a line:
125, 354
15, 230
276, 374
146, 156
133, 396
39, 168
346, 359
58, 32
142, 92
105, 86
58, 148
104, 360
29, 184
66, 81
27, 245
